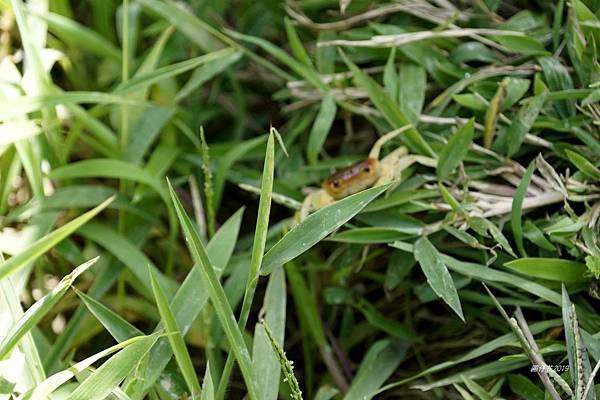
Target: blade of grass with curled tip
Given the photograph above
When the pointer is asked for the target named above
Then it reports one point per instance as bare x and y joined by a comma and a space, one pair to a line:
316, 227
218, 297
50, 240
175, 337
39, 309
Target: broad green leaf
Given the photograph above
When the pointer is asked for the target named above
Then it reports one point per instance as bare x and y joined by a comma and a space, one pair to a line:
321, 127
411, 93
316, 227
105, 379
554, 269
49, 241
175, 337
523, 122
558, 78
437, 274
523, 387
517, 205
148, 126
378, 364
218, 297
371, 235
582, 164
39, 309
455, 150
390, 76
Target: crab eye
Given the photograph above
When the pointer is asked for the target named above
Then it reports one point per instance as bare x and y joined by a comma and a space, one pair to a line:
335, 183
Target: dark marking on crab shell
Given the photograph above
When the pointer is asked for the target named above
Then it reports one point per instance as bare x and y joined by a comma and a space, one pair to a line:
353, 179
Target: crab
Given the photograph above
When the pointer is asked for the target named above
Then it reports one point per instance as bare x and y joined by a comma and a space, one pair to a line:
364, 174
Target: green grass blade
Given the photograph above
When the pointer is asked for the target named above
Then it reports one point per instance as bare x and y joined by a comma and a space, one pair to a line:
143, 81
106, 378
39, 309
316, 227
378, 364
217, 296
118, 327
128, 254
50, 240
263, 357
43, 390
27, 104
77, 35
437, 274
517, 206
193, 294
175, 337
553, 269
321, 127
390, 110
455, 150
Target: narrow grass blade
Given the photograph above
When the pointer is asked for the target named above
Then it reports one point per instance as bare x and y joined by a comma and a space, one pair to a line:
390, 110
316, 227
517, 206
110, 374
437, 274
43, 390
193, 294
175, 337
321, 127
39, 309
264, 359
208, 389
378, 364
47, 242
455, 150
128, 254
218, 297
118, 327
523, 122
77, 35
27, 104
